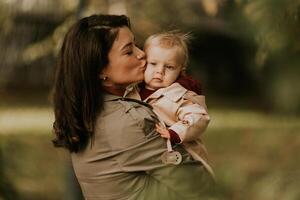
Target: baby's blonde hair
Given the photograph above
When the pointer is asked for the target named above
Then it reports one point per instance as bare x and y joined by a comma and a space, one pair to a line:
172, 39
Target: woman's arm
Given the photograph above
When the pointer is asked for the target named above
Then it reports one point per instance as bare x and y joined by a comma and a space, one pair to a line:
187, 180
123, 159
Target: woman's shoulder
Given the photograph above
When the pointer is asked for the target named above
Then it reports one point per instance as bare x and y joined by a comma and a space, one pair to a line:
127, 106
129, 120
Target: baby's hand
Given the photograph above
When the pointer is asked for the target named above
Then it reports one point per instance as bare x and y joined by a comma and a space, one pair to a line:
162, 131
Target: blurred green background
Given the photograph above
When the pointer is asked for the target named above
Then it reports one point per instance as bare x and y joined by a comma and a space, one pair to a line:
244, 52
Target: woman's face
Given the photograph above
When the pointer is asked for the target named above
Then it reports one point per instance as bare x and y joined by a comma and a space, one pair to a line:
126, 61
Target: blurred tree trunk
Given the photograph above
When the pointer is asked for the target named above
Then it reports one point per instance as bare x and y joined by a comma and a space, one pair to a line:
7, 190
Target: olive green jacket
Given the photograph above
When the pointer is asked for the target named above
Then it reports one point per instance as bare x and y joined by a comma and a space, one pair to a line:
123, 159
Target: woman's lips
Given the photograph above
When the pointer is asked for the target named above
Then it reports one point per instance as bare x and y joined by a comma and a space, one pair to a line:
143, 67
144, 64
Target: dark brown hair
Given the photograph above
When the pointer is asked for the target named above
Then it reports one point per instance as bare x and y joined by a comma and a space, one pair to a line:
77, 90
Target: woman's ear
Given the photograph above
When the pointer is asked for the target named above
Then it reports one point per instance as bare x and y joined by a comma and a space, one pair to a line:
103, 77
103, 74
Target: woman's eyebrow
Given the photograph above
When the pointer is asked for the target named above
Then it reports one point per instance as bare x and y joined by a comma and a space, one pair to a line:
127, 45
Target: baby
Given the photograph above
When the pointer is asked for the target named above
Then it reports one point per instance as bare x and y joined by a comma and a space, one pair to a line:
183, 111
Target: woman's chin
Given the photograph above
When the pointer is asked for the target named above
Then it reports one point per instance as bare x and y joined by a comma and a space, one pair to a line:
140, 78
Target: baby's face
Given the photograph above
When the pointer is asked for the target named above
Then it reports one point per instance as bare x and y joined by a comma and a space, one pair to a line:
162, 67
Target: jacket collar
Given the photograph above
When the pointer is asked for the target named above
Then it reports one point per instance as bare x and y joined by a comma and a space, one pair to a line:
174, 92
131, 92
132, 95
110, 97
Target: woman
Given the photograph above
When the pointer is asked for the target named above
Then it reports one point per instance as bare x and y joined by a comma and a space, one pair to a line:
116, 153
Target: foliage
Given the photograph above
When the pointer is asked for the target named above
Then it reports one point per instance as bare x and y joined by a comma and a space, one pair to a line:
277, 29
241, 48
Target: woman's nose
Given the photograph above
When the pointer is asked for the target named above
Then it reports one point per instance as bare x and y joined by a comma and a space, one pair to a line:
140, 54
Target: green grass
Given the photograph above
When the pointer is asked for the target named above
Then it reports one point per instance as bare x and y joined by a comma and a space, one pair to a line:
33, 168
255, 155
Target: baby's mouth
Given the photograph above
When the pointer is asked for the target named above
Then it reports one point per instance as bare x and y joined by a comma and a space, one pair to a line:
157, 79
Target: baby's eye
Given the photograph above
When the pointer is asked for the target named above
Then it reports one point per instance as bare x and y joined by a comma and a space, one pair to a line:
170, 67
152, 63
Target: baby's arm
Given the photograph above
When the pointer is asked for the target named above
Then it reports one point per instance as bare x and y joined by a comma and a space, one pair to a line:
168, 134
192, 117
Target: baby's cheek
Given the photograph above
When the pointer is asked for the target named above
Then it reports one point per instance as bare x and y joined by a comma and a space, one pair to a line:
169, 81
147, 76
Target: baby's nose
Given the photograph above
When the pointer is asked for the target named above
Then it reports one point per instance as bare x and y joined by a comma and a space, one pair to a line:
160, 70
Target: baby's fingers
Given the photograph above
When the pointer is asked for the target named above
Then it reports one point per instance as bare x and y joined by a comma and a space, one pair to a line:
162, 131
159, 129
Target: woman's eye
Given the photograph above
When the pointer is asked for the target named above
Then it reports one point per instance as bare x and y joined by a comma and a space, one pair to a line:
129, 52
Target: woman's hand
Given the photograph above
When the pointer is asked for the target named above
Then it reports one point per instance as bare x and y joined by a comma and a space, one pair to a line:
164, 133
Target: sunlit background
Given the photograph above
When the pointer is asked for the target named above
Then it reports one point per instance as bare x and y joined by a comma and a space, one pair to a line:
244, 52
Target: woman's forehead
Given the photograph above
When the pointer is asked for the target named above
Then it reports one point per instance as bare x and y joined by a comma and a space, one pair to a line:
124, 37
